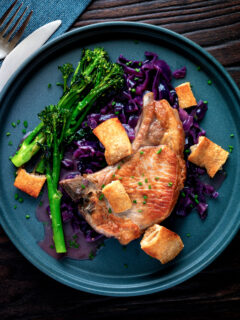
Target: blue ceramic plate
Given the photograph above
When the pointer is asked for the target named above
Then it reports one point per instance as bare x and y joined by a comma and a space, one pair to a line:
27, 93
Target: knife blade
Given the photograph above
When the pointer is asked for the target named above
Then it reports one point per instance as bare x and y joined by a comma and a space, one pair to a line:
25, 49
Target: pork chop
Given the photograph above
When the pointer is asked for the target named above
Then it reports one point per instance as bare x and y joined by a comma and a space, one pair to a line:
152, 177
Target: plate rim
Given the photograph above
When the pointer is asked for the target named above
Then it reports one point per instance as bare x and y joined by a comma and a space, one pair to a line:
221, 244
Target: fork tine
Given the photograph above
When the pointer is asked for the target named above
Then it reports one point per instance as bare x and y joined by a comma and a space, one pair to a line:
5, 15
15, 25
20, 31
10, 20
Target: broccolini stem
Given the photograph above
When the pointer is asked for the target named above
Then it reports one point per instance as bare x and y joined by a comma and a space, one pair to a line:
28, 150
54, 196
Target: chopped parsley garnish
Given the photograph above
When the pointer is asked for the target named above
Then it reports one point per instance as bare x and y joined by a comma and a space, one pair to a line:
75, 236
15, 206
144, 202
49, 85
40, 203
183, 194
83, 186
145, 197
146, 180
149, 187
188, 235
10, 143
91, 256
18, 121
20, 200
159, 151
133, 90
25, 123
170, 184
116, 112
137, 69
51, 246
141, 152
140, 183
140, 64
120, 178
109, 210
16, 196
187, 151
231, 135
24, 131
27, 216
230, 148
132, 177
102, 186
119, 167
114, 175
157, 178
140, 210
196, 200
134, 201
8, 134
205, 101
209, 82
101, 197
136, 78
113, 103
14, 125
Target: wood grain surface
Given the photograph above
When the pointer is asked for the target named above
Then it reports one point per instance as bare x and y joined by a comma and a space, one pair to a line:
26, 293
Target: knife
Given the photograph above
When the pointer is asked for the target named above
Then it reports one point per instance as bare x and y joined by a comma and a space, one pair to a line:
25, 49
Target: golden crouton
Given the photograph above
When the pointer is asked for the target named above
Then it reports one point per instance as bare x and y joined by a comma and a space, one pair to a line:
209, 155
161, 243
113, 136
117, 196
29, 183
185, 95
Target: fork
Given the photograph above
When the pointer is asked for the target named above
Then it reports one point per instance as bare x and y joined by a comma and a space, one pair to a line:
7, 44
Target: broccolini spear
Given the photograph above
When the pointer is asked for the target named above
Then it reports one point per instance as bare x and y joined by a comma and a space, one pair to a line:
93, 65
59, 124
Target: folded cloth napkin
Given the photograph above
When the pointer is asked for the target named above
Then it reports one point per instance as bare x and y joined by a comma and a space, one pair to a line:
45, 11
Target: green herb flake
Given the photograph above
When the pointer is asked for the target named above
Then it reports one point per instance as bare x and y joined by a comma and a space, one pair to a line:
231, 135
133, 90
140, 183
140, 64
15, 206
113, 176
188, 235
125, 265
157, 178
132, 177
24, 131
120, 178
119, 167
146, 180
102, 186
137, 69
159, 151
141, 152
198, 68
16, 196
209, 82
144, 202
51, 246
136, 79
145, 197
230, 149
187, 151
134, 201
140, 210
14, 125
20, 200
170, 184
196, 200
18, 121
183, 194
83, 186
27, 216
113, 103
91, 256
101, 197
40, 204
149, 187
195, 196
10, 143
49, 85
8, 134
109, 210
205, 101
25, 123
117, 112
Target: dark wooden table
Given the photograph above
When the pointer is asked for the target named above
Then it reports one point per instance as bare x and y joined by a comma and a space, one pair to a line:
26, 293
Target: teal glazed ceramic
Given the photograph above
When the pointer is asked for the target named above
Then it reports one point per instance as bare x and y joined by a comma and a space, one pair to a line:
27, 93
